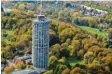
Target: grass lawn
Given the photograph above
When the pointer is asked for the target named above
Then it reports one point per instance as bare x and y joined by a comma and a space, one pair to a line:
94, 31
73, 61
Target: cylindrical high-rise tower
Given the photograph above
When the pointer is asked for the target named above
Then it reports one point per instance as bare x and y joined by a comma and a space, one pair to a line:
40, 42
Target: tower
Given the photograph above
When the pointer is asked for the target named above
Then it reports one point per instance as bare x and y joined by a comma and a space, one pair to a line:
40, 42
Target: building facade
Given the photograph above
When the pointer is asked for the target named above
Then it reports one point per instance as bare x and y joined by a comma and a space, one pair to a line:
40, 42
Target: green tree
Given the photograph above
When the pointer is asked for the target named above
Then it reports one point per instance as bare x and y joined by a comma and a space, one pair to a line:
52, 62
59, 69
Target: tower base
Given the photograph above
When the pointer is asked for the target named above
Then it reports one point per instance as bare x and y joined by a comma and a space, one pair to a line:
40, 70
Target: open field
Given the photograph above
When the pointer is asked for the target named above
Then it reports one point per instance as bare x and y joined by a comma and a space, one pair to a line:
74, 61
94, 31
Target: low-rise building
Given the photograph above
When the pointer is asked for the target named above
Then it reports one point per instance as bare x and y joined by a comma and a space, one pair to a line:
2, 67
26, 71
92, 11
26, 58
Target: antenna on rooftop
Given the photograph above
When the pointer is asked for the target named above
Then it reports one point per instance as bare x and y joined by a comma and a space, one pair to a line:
41, 7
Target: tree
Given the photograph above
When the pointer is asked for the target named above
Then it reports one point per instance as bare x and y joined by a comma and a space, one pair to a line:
30, 13
95, 50
88, 21
55, 50
75, 20
52, 62
66, 71
64, 52
4, 21
80, 53
66, 33
65, 15
110, 37
75, 70
22, 44
76, 14
29, 66
74, 47
20, 65
62, 60
8, 69
68, 41
49, 72
12, 21
21, 6
88, 57
8, 26
59, 68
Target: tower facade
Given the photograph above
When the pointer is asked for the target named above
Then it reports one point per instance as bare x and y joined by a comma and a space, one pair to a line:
40, 42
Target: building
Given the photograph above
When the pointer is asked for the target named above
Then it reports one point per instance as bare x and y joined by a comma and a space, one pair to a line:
93, 11
40, 43
30, 6
26, 59
26, 71
2, 67
72, 5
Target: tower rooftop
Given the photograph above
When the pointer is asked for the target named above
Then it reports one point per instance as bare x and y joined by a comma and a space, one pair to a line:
40, 17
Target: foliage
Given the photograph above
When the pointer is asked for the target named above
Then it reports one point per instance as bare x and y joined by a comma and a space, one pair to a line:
20, 65
49, 72
8, 69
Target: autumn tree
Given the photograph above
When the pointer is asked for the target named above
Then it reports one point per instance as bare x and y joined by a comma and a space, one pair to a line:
88, 21
74, 47
110, 37
30, 13
8, 69
20, 65
64, 52
4, 21
66, 33
21, 6
55, 49
49, 72
66, 71
52, 62
88, 57
59, 69
80, 53
95, 50
75, 70
62, 60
